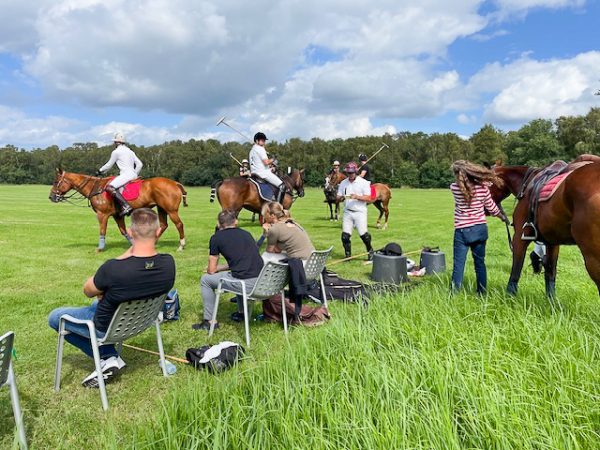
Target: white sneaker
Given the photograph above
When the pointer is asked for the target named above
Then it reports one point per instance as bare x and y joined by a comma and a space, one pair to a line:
110, 367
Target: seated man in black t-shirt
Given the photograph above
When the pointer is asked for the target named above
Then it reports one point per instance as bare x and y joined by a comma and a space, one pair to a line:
137, 274
243, 262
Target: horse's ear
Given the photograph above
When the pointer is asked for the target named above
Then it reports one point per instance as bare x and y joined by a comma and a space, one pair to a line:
59, 170
302, 171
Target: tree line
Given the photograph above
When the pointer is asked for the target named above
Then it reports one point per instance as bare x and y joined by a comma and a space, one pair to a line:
412, 159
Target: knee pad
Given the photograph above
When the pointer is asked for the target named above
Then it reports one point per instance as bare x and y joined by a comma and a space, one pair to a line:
346, 238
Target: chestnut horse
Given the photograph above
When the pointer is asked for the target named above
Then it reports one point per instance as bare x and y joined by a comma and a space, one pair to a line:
238, 192
383, 194
567, 218
163, 193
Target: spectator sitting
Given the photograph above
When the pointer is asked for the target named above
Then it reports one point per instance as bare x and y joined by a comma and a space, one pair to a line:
285, 238
243, 263
139, 273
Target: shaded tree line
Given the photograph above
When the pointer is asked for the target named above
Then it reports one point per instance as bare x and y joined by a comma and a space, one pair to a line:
412, 159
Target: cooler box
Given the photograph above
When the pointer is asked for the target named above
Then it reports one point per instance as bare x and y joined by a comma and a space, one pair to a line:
389, 269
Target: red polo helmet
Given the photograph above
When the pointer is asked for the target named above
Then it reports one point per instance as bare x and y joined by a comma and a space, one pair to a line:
351, 167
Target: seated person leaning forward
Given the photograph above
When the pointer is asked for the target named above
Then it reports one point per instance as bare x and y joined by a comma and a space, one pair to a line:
137, 274
285, 238
243, 263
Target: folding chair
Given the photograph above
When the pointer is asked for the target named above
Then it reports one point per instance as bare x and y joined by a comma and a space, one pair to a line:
131, 318
271, 281
7, 377
314, 269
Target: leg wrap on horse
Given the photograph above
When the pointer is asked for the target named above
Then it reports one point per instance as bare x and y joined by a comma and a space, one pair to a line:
281, 193
347, 245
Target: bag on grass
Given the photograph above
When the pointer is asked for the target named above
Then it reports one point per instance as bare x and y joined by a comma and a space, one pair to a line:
215, 358
171, 307
337, 288
309, 316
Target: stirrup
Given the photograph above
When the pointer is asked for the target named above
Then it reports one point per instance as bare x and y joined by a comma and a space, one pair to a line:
535, 232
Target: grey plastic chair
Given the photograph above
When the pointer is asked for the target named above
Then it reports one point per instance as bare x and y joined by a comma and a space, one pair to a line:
131, 318
314, 269
7, 377
271, 281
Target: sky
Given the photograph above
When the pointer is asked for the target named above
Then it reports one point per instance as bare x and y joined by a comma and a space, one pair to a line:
159, 70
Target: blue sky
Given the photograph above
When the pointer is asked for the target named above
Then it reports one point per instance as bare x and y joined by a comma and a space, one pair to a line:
163, 70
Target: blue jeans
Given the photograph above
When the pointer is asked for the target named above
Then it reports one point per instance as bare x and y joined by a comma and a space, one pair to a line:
80, 334
473, 238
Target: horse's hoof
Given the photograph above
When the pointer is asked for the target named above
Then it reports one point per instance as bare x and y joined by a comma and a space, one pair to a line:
378, 226
180, 248
99, 250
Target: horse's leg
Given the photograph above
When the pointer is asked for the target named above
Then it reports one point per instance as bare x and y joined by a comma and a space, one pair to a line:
162, 218
519, 250
330, 211
103, 221
550, 270
386, 210
123, 229
174, 215
337, 211
377, 204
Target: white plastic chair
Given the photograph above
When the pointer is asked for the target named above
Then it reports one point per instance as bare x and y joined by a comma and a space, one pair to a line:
7, 377
271, 281
314, 269
131, 318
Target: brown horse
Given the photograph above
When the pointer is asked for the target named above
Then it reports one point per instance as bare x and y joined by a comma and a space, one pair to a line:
383, 195
238, 192
163, 193
567, 218
331, 198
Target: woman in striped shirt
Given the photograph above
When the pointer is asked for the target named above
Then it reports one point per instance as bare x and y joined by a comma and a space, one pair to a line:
472, 199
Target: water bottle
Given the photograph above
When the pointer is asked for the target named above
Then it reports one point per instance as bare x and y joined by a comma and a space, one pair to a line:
171, 368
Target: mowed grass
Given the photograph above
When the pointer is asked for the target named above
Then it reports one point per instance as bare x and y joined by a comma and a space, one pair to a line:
416, 369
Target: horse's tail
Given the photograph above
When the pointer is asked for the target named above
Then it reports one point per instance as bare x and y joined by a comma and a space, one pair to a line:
213, 190
183, 193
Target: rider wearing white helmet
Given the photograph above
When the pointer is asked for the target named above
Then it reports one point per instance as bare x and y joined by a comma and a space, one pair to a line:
245, 168
129, 169
335, 168
260, 162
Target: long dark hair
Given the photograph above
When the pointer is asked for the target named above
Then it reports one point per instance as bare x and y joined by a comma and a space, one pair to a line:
469, 174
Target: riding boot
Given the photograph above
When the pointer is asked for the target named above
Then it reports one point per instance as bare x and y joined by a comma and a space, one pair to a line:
366, 238
124, 207
281, 193
347, 245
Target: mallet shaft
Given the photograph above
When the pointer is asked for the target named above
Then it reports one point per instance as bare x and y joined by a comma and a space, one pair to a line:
174, 358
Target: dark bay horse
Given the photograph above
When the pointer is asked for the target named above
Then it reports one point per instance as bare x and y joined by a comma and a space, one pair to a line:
569, 217
238, 192
383, 195
163, 193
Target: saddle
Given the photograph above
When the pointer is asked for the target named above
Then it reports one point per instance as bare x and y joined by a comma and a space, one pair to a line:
540, 185
266, 190
130, 191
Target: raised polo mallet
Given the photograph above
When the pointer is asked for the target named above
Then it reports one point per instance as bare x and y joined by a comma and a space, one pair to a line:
383, 145
222, 121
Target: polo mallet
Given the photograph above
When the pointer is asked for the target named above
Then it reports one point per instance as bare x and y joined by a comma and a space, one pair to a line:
139, 349
383, 145
222, 121
235, 159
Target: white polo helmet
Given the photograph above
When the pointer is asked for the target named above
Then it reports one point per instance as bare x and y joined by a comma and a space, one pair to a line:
119, 137
336, 163
244, 160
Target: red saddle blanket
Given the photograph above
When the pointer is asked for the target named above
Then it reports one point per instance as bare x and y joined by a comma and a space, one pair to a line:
131, 191
552, 186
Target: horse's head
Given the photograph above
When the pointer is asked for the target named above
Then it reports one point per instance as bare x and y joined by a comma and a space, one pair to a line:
297, 181
60, 186
512, 178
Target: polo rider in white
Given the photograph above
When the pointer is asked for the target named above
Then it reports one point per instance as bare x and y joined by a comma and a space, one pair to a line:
357, 192
259, 165
129, 169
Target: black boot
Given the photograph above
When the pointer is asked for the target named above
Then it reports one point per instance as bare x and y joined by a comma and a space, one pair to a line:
347, 245
366, 238
124, 207
281, 193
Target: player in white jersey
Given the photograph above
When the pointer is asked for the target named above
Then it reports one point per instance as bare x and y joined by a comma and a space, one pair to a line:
260, 162
129, 169
357, 192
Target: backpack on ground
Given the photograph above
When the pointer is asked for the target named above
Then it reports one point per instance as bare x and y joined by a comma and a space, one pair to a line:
171, 307
337, 288
215, 358
309, 315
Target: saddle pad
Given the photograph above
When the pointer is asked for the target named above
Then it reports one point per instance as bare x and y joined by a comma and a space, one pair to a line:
373, 192
553, 184
130, 191
265, 190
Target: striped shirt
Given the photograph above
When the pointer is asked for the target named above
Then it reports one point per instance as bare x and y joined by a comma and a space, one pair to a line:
469, 214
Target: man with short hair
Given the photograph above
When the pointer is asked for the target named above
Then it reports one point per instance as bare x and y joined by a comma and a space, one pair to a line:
129, 166
357, 192
137, 274
260, 165
239, 249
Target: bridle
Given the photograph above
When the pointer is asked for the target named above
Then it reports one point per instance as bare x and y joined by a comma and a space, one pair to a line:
61, 197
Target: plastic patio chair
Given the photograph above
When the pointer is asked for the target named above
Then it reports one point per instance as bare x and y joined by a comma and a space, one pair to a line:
7, 377
131, 318
271, 281
314, 269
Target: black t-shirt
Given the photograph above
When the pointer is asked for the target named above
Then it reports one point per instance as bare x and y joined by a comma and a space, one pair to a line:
133, 278
367, 170
239, 249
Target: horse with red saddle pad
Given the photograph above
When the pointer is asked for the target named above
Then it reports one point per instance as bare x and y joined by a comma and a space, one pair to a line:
163, 193
557, 205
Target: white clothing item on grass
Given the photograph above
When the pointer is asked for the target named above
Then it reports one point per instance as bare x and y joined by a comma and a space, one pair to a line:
216, 350
359, 186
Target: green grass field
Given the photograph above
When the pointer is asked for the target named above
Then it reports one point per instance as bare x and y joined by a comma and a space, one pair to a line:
417, 369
